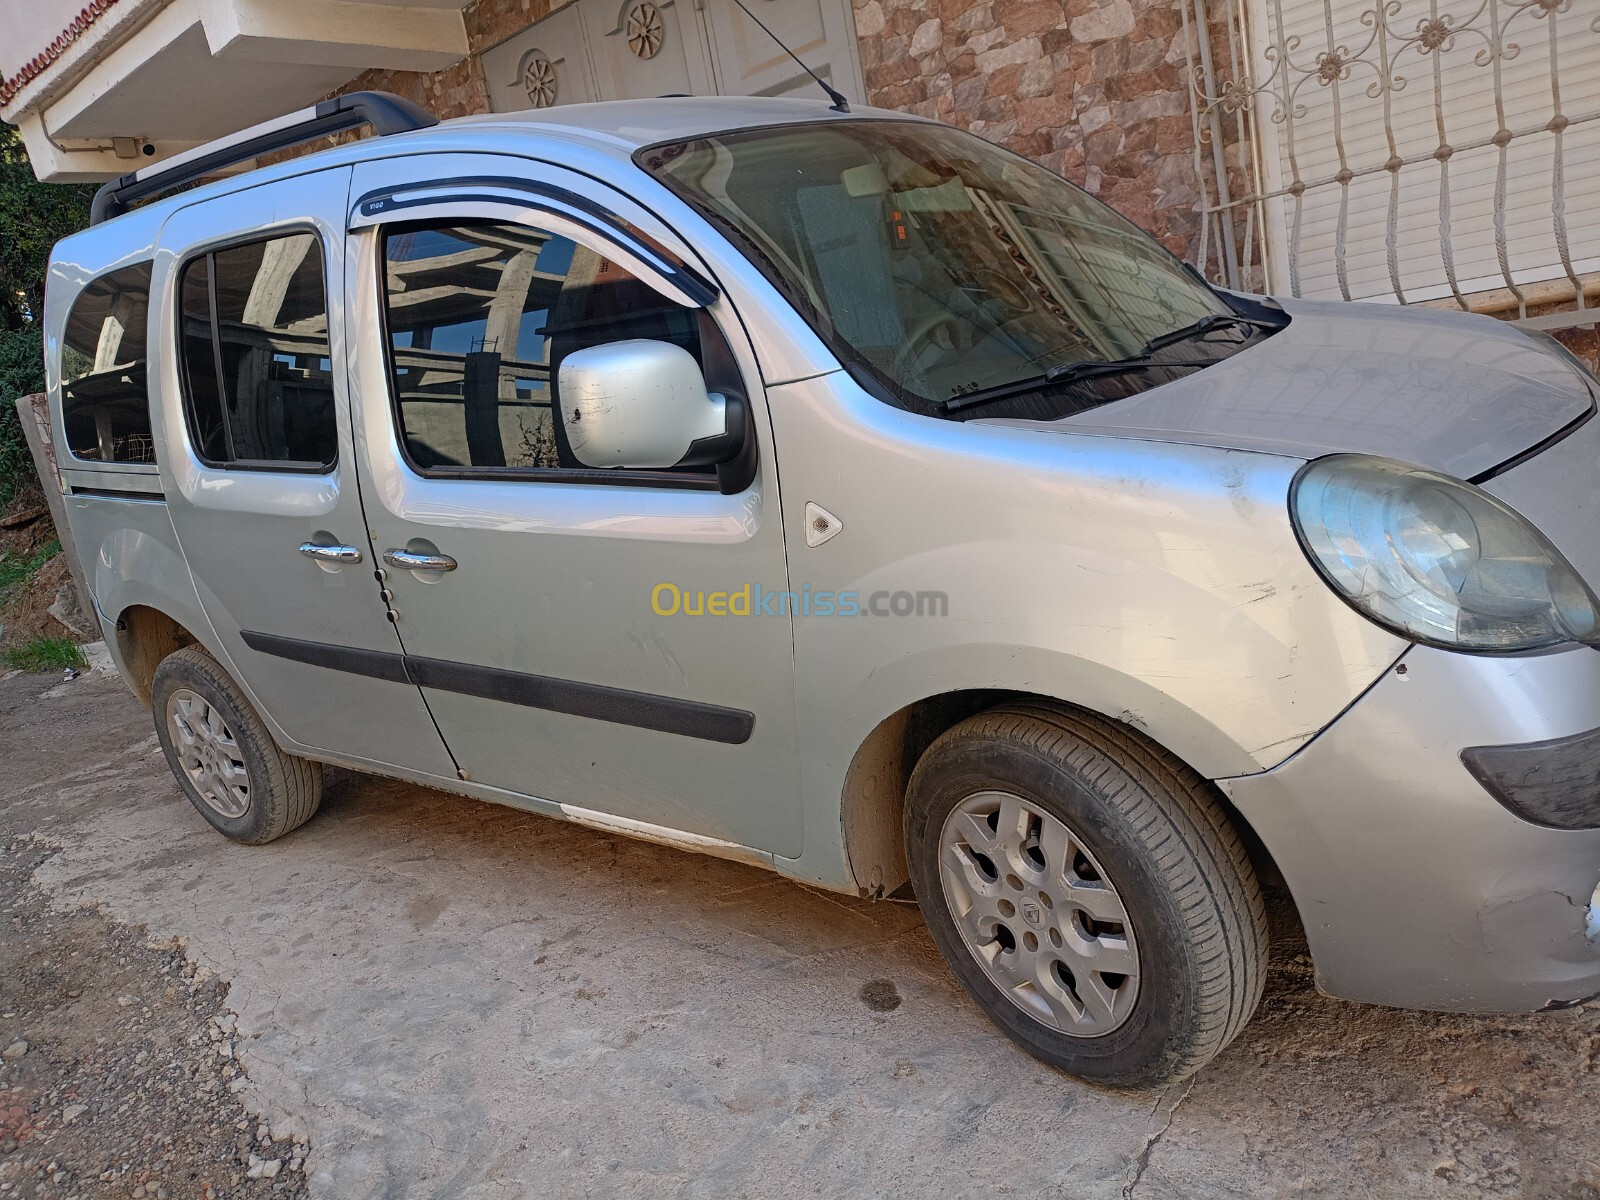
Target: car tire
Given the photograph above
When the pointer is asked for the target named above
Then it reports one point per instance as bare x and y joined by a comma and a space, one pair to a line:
1083, 821
223, 756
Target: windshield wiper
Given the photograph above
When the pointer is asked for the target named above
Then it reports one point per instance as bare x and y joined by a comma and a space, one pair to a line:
1077, 372
1203, 326
1062, 376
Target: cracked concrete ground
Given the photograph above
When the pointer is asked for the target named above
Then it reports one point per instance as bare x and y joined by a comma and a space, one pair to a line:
459, 1000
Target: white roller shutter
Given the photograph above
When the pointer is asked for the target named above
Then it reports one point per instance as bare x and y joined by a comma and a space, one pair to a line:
1389, 84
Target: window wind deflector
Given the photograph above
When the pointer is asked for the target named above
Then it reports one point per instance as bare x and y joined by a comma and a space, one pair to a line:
489, 197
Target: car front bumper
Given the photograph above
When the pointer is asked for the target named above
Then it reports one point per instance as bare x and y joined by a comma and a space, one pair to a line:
1416, 887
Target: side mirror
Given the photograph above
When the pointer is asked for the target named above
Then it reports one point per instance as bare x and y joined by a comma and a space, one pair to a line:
644, 404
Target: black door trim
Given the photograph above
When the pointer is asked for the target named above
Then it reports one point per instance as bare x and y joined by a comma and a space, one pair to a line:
373, 663
666, 714
130, 494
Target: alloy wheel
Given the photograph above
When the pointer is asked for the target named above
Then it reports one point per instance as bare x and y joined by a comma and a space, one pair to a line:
208, 753
1038, 914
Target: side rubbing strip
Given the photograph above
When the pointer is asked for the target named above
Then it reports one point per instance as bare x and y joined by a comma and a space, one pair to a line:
373, 663
120, 494
688, 718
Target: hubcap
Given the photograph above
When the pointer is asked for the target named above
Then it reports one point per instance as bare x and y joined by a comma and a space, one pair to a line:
1038, 914
208, 755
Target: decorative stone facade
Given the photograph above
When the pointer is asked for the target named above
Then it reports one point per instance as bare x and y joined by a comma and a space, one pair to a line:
454, 92
1094, 89
1091, 88
460, 90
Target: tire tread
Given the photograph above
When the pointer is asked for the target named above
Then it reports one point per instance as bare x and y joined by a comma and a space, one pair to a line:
292, 789
1195, 850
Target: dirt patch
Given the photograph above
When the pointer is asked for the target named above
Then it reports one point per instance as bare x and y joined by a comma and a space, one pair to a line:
462, 1000
25, 605
117, 1067
25, 523
880, 995
26, 613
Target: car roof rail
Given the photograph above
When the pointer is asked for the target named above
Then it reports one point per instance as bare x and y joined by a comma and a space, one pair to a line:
384, 111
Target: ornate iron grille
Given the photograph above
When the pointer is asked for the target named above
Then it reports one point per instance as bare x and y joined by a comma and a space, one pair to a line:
1401, 149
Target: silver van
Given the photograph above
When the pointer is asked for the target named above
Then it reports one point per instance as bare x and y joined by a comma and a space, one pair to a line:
836, 492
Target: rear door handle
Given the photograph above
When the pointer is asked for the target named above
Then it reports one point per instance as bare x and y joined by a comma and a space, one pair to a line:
405, 560
332, 554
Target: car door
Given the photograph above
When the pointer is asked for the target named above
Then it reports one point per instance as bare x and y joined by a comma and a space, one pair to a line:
261, 480
547, 653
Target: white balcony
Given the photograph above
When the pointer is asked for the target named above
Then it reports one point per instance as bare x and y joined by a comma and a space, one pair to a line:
169, 75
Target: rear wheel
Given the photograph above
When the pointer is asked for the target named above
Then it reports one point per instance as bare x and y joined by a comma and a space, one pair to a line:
223, 756
1088, 891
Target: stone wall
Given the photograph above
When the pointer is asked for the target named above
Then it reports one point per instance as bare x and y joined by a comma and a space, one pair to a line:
453, 92
460, 90
1583, 341
1093, 89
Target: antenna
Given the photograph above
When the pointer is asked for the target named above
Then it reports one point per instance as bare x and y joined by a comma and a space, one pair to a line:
840, 104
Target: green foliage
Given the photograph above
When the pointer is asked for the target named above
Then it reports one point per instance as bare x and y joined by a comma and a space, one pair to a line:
21, 374
14, 572
45, 654
33, 217
21, 362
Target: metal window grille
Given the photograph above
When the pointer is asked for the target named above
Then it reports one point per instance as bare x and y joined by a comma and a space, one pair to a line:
1401, 149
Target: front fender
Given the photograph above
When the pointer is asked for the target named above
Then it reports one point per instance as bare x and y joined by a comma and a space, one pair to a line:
1158, 584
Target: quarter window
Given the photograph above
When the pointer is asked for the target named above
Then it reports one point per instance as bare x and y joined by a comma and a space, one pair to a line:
257, 367
480, 317
104, 402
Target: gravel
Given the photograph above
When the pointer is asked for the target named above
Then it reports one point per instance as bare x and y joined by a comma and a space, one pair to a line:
119, 1077
461, 1000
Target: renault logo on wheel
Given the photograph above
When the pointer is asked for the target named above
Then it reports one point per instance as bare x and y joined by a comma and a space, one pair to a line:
1031, 913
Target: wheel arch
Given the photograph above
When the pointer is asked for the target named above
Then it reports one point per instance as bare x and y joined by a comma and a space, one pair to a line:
872, 806
145, 636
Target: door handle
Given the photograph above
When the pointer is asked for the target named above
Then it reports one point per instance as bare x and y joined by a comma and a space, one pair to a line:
405, 560
331, 554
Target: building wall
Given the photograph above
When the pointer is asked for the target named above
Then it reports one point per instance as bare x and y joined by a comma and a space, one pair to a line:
459, 90
1094, 89
1091, 88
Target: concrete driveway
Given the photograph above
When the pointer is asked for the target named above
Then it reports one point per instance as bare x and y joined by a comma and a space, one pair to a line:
453, 999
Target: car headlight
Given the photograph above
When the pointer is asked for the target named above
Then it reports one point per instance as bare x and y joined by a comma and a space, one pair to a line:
1438, 560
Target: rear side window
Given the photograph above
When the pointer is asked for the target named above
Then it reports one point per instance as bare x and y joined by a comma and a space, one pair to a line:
258, 373
104, 403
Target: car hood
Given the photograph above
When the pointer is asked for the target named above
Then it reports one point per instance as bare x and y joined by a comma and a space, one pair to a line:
1459, 393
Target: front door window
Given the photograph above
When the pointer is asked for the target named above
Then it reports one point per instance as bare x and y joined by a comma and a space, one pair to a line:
480, 317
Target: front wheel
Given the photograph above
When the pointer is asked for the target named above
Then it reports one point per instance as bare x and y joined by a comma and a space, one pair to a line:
1088, 891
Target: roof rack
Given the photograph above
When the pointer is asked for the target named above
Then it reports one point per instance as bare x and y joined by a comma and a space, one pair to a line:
384, 111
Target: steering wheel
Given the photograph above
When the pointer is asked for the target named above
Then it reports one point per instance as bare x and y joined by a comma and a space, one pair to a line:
957, 340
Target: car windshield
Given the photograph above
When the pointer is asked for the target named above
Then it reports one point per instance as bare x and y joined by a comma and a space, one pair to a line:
946, 266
